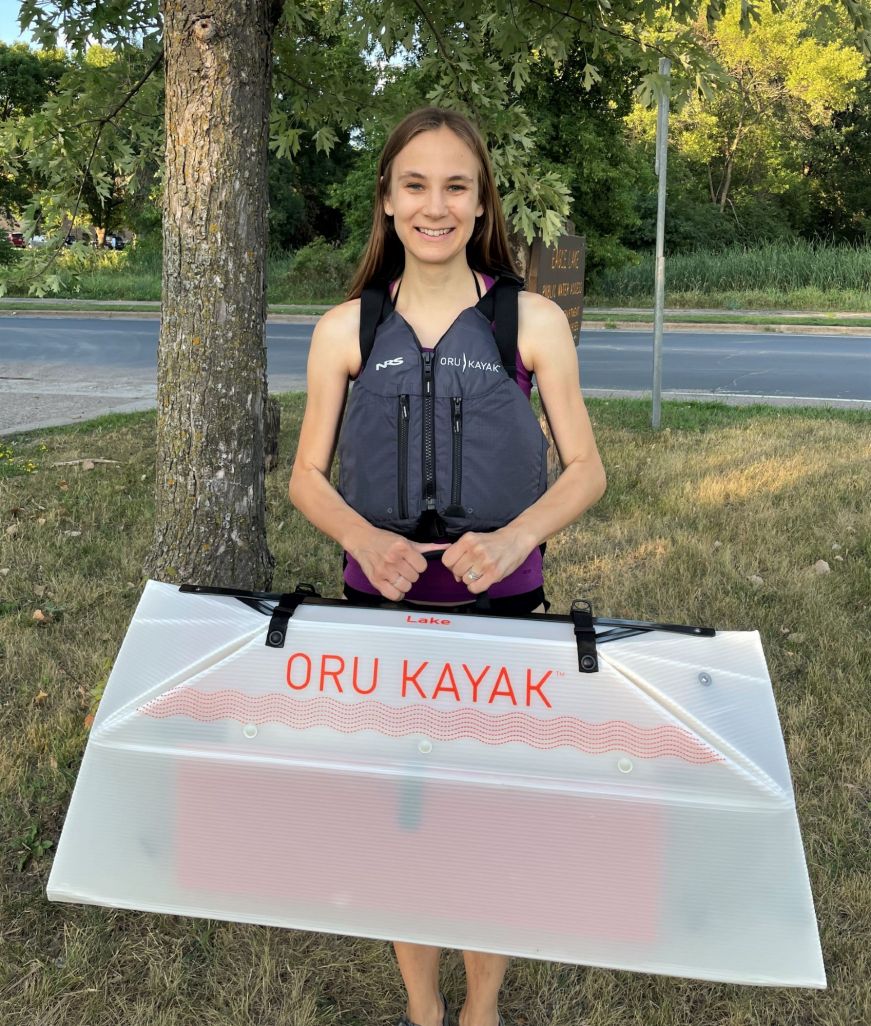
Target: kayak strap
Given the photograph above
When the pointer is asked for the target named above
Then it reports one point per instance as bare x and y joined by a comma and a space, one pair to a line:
287, 606
585, 636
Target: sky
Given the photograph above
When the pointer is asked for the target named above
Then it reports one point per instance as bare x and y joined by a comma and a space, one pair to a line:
9, 30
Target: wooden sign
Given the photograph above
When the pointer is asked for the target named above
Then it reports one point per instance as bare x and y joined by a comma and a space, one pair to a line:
557, 272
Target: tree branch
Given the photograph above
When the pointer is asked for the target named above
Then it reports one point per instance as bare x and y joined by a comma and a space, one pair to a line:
305, 86
155, 64
102, 122
443, 50
597, 26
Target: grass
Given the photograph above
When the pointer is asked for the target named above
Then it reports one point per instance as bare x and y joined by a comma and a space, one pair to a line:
720, 495
794, 276
768, 322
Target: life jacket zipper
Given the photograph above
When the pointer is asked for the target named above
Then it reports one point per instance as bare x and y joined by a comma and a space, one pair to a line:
429, 483
403, 456
457, 440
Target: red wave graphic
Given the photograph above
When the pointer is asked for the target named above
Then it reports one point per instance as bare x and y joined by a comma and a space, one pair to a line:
438, 724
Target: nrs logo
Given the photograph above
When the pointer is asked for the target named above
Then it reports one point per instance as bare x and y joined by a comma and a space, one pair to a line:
395, 362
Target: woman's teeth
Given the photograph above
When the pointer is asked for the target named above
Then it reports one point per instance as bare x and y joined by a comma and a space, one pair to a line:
434, 232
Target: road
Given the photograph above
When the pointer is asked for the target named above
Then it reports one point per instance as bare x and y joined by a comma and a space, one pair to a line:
59, 369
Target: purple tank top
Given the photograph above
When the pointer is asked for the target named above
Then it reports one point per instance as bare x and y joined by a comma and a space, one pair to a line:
436, 583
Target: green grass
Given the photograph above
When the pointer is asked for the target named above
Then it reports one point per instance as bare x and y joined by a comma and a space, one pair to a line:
794, 276
691, 513
611, 319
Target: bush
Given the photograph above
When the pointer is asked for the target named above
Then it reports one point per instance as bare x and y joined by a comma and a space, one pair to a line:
8, 252
320, 271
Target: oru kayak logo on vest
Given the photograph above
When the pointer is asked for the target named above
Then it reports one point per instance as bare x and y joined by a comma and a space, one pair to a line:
395, 362
464, 364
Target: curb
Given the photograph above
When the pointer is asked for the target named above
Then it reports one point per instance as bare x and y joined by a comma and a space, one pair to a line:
784, 327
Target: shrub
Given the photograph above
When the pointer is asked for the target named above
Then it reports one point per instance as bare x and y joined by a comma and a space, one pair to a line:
8, 252
320, 271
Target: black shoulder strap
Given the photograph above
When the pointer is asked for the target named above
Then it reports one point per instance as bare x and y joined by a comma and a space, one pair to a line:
373, 300
499, 305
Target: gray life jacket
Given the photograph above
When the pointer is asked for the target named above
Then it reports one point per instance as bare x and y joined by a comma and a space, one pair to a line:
437, 442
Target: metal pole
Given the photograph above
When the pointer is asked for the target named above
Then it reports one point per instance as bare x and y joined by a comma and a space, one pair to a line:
659, 301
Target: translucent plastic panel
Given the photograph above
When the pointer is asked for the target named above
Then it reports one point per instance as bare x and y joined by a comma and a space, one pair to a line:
455, 783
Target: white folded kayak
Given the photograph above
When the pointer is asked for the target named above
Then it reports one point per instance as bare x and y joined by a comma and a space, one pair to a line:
447, 779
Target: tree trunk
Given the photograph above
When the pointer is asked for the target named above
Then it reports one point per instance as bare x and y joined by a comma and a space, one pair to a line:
210, 507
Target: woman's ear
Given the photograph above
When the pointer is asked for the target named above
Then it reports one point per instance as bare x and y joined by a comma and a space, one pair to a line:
388, 206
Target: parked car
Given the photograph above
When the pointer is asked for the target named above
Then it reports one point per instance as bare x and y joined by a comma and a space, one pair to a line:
36, 241
114, 242
17, 240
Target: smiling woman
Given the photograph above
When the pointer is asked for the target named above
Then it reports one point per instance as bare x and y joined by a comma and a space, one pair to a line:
442, 496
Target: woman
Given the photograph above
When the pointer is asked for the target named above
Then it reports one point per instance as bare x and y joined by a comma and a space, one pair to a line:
439, 239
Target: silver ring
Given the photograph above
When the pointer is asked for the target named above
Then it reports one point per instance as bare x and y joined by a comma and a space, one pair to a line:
473, 575
396, 582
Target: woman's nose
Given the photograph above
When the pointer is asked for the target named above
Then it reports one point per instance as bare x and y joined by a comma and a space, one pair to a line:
436, 205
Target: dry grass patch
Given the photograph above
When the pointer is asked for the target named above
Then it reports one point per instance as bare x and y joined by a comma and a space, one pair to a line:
721, 496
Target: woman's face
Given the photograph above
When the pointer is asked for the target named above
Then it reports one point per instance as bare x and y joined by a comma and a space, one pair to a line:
434, 196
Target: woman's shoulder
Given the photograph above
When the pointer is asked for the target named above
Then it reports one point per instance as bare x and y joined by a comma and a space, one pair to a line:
341, 319
540, 317
336, 338
538, 309
540, 324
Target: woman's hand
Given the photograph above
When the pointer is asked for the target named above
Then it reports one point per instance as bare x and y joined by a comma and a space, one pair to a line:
490, 557
390, 562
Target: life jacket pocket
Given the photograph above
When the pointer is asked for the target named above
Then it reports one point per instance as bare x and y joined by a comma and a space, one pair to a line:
402, 456
455, 509
497, 459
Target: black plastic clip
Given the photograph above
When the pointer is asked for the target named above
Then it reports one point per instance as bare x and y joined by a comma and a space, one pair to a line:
585, 635
285, 609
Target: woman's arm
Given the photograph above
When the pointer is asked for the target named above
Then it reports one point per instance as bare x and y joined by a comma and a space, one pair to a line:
547, 349
391, 563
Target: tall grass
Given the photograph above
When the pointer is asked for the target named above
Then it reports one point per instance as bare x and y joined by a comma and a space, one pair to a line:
795, 275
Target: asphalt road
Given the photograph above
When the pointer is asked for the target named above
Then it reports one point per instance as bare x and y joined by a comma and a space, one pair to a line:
56, 370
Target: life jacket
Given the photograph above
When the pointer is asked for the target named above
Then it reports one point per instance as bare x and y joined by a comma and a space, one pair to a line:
437, 442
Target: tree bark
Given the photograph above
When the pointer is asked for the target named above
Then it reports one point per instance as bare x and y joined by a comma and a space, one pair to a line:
210, 507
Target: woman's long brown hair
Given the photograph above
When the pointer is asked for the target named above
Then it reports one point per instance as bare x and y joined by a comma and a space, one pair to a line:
487, 251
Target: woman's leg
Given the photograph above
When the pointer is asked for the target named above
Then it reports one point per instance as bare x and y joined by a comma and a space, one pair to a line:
419, 965
484, 975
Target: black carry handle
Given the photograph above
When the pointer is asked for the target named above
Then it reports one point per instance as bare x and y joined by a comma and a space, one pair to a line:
645, 625
580, 616
482, 601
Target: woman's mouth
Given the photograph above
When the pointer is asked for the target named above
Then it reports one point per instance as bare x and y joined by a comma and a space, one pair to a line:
434, 233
